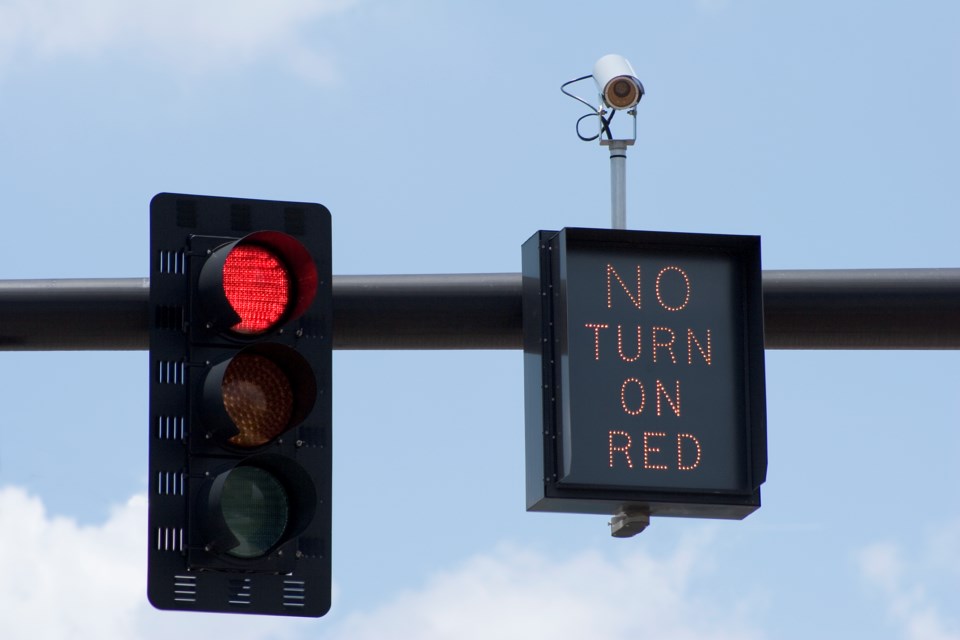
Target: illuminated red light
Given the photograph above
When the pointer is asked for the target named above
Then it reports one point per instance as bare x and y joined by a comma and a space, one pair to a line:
257, 286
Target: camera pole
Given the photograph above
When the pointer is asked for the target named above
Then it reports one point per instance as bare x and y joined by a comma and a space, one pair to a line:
618, 183
620, 90
618, 168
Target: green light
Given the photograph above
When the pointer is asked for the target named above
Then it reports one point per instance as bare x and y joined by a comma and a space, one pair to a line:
254, 506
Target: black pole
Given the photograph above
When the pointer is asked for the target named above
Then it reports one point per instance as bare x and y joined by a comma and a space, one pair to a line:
818, 309
76, 314
862, 309
463, 311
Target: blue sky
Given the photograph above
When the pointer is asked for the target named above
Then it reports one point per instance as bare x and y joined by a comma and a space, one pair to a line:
436, 134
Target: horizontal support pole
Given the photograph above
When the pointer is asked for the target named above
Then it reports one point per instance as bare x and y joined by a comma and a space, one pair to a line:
463, 311
862, 309
74, 315
810, 309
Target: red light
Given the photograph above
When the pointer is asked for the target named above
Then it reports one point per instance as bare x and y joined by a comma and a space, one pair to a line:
257, 286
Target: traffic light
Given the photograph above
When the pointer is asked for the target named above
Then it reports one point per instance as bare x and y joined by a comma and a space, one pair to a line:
240, 407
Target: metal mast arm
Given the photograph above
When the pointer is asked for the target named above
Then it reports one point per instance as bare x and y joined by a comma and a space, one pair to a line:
816, 309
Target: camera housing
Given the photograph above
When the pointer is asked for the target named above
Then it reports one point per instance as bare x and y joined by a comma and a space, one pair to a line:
618, 83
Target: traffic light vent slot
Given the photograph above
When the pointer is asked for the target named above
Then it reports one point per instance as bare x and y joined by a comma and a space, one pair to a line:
184, 588
239, 591
171, 428
169, 317
294, 219
171, 372
294, 593
186, 213
240, 219
170, 483
170, 539
172, 262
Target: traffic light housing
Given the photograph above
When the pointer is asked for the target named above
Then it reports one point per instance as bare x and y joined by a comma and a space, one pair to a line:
240, 407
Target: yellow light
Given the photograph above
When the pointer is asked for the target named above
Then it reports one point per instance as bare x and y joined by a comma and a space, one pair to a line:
258, 397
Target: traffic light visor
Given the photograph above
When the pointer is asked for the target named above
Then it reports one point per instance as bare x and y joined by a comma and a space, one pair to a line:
254, 397
252, 285
250, 509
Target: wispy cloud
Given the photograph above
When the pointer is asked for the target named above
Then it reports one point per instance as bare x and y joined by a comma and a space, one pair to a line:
63, 581
56, 573
525, 594
907, 601
60, 580
191, 36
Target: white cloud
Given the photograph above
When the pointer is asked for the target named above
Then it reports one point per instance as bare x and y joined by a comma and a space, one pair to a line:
63, 581
191, 35
524, 594
908, 604
60, 580
54, 574
944, 547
